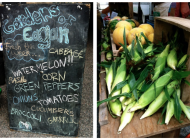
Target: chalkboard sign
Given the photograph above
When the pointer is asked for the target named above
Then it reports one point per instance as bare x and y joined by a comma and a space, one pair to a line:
44, 53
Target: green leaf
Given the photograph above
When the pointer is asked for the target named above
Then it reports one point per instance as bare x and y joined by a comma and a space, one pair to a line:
146, 39
142, 76
187, 82
163, 111
166, 93
119, 86
177, 107
128, 95
132, 51
132, 82
178, 75
140, 49
154, 89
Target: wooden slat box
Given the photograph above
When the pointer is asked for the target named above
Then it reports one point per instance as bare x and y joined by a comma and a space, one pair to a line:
148, 127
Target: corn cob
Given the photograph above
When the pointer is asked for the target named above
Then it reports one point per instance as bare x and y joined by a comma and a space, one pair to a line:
160, 100
185, 109
126, 117
169, 111
122, 99
172, 59
109, 78
115, 107
161, 62
120, 76
182, 60
150, 94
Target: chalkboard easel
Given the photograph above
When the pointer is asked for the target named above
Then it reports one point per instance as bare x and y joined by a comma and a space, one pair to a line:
44, 53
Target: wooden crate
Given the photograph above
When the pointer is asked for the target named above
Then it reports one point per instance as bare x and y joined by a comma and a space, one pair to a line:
148, 127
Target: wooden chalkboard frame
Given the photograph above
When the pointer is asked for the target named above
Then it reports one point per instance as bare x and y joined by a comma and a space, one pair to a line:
44, 62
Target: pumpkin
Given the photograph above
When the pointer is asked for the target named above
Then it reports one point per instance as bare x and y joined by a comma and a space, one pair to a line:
151, 37
148, 28
136, 32
125, 24
118, 35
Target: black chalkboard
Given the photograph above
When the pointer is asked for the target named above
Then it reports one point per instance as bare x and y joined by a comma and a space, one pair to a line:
44, 54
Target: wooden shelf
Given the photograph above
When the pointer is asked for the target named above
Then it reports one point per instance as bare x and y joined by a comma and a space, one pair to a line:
148, 127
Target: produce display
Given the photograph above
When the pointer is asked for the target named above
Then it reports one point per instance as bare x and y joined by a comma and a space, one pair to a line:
146, 76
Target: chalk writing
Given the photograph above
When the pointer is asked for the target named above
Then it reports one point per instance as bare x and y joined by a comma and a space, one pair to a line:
26, 86
67, 51
25, 98
31, 18
17, 80
61, 119
61, 86
52, 110
40, 67
25, 126
58, 99
32, 116
54, 76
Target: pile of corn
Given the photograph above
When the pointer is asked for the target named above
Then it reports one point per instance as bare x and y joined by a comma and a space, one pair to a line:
148, 78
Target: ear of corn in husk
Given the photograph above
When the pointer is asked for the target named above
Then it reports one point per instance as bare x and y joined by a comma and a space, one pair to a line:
169, 111
149, 95
161, 62
109, 78
184, 108
178, 90
182, 60
120, 76
148, 50
160, 100
109, 56
115, 107
172, 59
126, 117
136, 57
122, 99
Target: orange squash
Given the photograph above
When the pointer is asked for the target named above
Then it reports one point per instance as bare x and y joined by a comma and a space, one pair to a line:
136, 32
118, 35
148, 28
125, 24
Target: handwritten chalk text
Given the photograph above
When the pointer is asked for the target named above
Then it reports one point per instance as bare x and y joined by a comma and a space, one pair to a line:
32, 116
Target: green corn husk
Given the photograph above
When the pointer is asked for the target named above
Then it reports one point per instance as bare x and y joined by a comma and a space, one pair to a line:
109, 78
130, 100
109, 56
136, 57
182, 60
105, 45
161, 62
148, 50
185, 109
122, 99
169, 111
126, 117
172, 59
149, 95
126, 89
178, 90
120, 76
160, 100
115, 107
